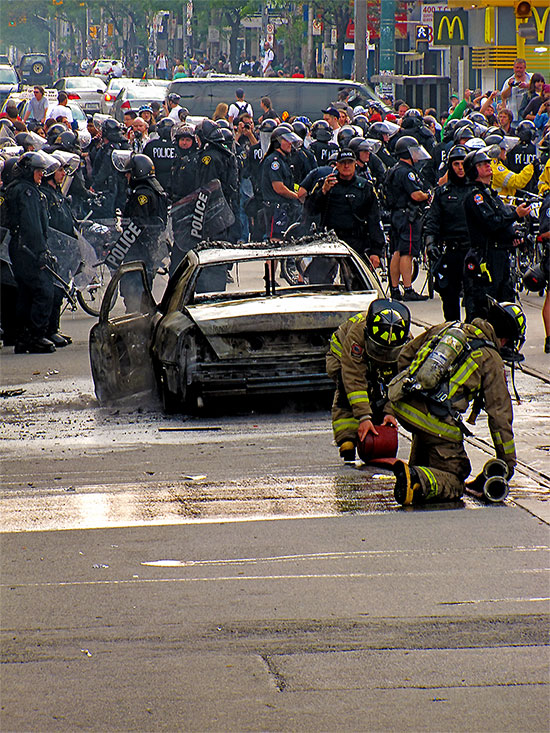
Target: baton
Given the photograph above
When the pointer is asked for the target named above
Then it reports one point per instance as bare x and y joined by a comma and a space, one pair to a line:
65, 286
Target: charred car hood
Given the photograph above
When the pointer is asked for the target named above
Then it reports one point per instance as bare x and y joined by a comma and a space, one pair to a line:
221, 323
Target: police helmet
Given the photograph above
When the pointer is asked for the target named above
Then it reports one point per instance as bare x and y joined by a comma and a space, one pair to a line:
448, 130
282, 132
300, 129
53, 165
345, 134
386, 329
181, 130
492, 130
377, 130
478, 118
321, 131
462, 133
471, 162
457, 152
526, 131
464, 122
409, 147
165, 128
36, 160
54, 131
361, 121
141, 167
268, 125
535, 279
211, 132
25, 139
412, 113
69, 161
112, 130
474, 143
228, 137
68, 141
357, 144
509, 322
223, 124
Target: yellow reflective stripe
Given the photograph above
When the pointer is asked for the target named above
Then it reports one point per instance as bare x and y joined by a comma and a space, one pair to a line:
336, 347
360, 396
358, 317
345, 423
427, 423
509, 447
432, 481
497, 440
507, 179
420, 356
462, 374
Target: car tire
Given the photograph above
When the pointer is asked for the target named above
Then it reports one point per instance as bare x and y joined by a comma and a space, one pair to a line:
38, 67
171, 402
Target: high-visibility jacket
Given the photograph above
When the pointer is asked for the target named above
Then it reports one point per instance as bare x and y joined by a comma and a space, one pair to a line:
505, 182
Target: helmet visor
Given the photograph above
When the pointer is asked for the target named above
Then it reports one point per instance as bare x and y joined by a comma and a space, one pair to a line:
419, 153
384, 354
508, 143
291, 137
69, 161
84, 138
390, 128
48, 164
372, 146
121, 160
38, 141
474, 143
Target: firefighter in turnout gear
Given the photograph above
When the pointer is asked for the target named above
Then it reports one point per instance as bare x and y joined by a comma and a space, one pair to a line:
441, 371
361, 361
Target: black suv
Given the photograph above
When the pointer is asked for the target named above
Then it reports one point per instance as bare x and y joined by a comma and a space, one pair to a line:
35, 68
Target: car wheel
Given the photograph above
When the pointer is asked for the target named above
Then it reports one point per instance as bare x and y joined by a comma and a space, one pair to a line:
171, 402
38, 67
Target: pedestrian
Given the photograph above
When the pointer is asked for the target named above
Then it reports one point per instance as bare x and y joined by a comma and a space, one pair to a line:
240, 106
535, 96
162, 66
505, 118
179, 73
468, 358
492, 236
348, 205
405, 194
267, 60
268, 113
220, 113
37, 107
61, 109
515, 89
446, 234
331, 115
138, 134
362, 360
173, 107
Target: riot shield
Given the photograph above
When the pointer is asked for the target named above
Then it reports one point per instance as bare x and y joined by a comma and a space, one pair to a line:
67, 252
139, 241
203, 214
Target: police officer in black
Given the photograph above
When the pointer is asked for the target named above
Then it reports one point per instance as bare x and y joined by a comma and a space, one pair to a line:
383, 131
302, 160
322, 146
106, 180
525, 152
279, 193
405, 195
60, 218
163, 153
146, 207
217, 161
184, 166
490, 224
446, 234
28, 222
348, 204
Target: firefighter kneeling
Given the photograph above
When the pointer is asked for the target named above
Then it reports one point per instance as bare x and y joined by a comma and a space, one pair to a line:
441, 372
362, 360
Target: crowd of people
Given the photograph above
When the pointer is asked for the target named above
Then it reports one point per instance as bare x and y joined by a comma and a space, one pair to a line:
393, 182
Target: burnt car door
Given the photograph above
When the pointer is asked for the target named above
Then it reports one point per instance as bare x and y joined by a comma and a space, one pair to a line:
120, 342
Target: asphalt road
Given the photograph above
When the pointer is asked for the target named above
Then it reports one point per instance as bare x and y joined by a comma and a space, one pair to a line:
239, 578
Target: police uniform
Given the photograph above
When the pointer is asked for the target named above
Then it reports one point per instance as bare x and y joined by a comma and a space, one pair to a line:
28, 221
437, 450
405, 218
183, 173
487, 267
445, 222
322, 151
523, 154
163, 154
361, 382
217, 161
108, 181
351, 209
281, 212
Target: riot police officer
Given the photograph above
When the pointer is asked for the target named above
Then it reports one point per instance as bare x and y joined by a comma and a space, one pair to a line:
446, 234
490, 224
105, 178
28, 222
405, 195
281, 202
302, 160
162, 152
348, 204
322, 146
184, 166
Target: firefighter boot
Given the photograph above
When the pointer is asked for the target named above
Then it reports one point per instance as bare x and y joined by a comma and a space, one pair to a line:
347, 451
407, 486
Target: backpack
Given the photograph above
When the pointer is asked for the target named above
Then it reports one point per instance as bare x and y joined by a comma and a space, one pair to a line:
387, 192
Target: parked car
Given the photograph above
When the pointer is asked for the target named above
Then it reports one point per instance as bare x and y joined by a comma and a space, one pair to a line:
295, 96
260, 334
135, 95
86, 91
35, 68
9, 81
111, 92
105, 67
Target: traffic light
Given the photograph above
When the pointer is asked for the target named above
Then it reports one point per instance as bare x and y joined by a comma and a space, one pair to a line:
93, 31
12, 23
522, 9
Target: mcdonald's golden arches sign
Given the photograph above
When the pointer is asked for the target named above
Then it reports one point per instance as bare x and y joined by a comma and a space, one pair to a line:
450, 29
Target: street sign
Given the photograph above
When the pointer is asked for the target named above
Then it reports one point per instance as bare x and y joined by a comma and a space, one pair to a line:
270, 28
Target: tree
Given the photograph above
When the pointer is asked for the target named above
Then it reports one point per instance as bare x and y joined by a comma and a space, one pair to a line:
337, 13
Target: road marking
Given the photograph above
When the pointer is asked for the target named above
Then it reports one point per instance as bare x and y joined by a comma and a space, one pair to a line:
492, 600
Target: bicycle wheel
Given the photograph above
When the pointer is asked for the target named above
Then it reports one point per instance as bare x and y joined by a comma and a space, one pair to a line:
91, 297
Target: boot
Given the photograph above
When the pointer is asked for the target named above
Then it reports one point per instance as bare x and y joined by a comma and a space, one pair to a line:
395, 293
59, 339
408, 489
411, 295
35, 345
347, 451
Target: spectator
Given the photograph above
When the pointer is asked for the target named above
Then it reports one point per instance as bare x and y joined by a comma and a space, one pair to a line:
158, 112
61, 109
255, 67
454, 100
534, 98
401, 107
244, 64
239, 106
488, 108
268, 113
541, 118
515, 88
37, 107
220, 112
297, 73
128, 117
162, 66
505, 117
180, 72
13, 116
267, 62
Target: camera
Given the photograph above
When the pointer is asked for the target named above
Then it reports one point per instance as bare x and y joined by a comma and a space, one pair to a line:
246, 126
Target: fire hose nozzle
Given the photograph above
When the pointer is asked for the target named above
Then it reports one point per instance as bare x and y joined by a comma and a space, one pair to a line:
495, 488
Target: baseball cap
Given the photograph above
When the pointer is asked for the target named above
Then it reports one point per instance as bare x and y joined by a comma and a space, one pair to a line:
239, 92
331, 111
345, 154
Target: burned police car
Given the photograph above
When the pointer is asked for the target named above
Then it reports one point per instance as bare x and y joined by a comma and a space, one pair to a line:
234, 320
